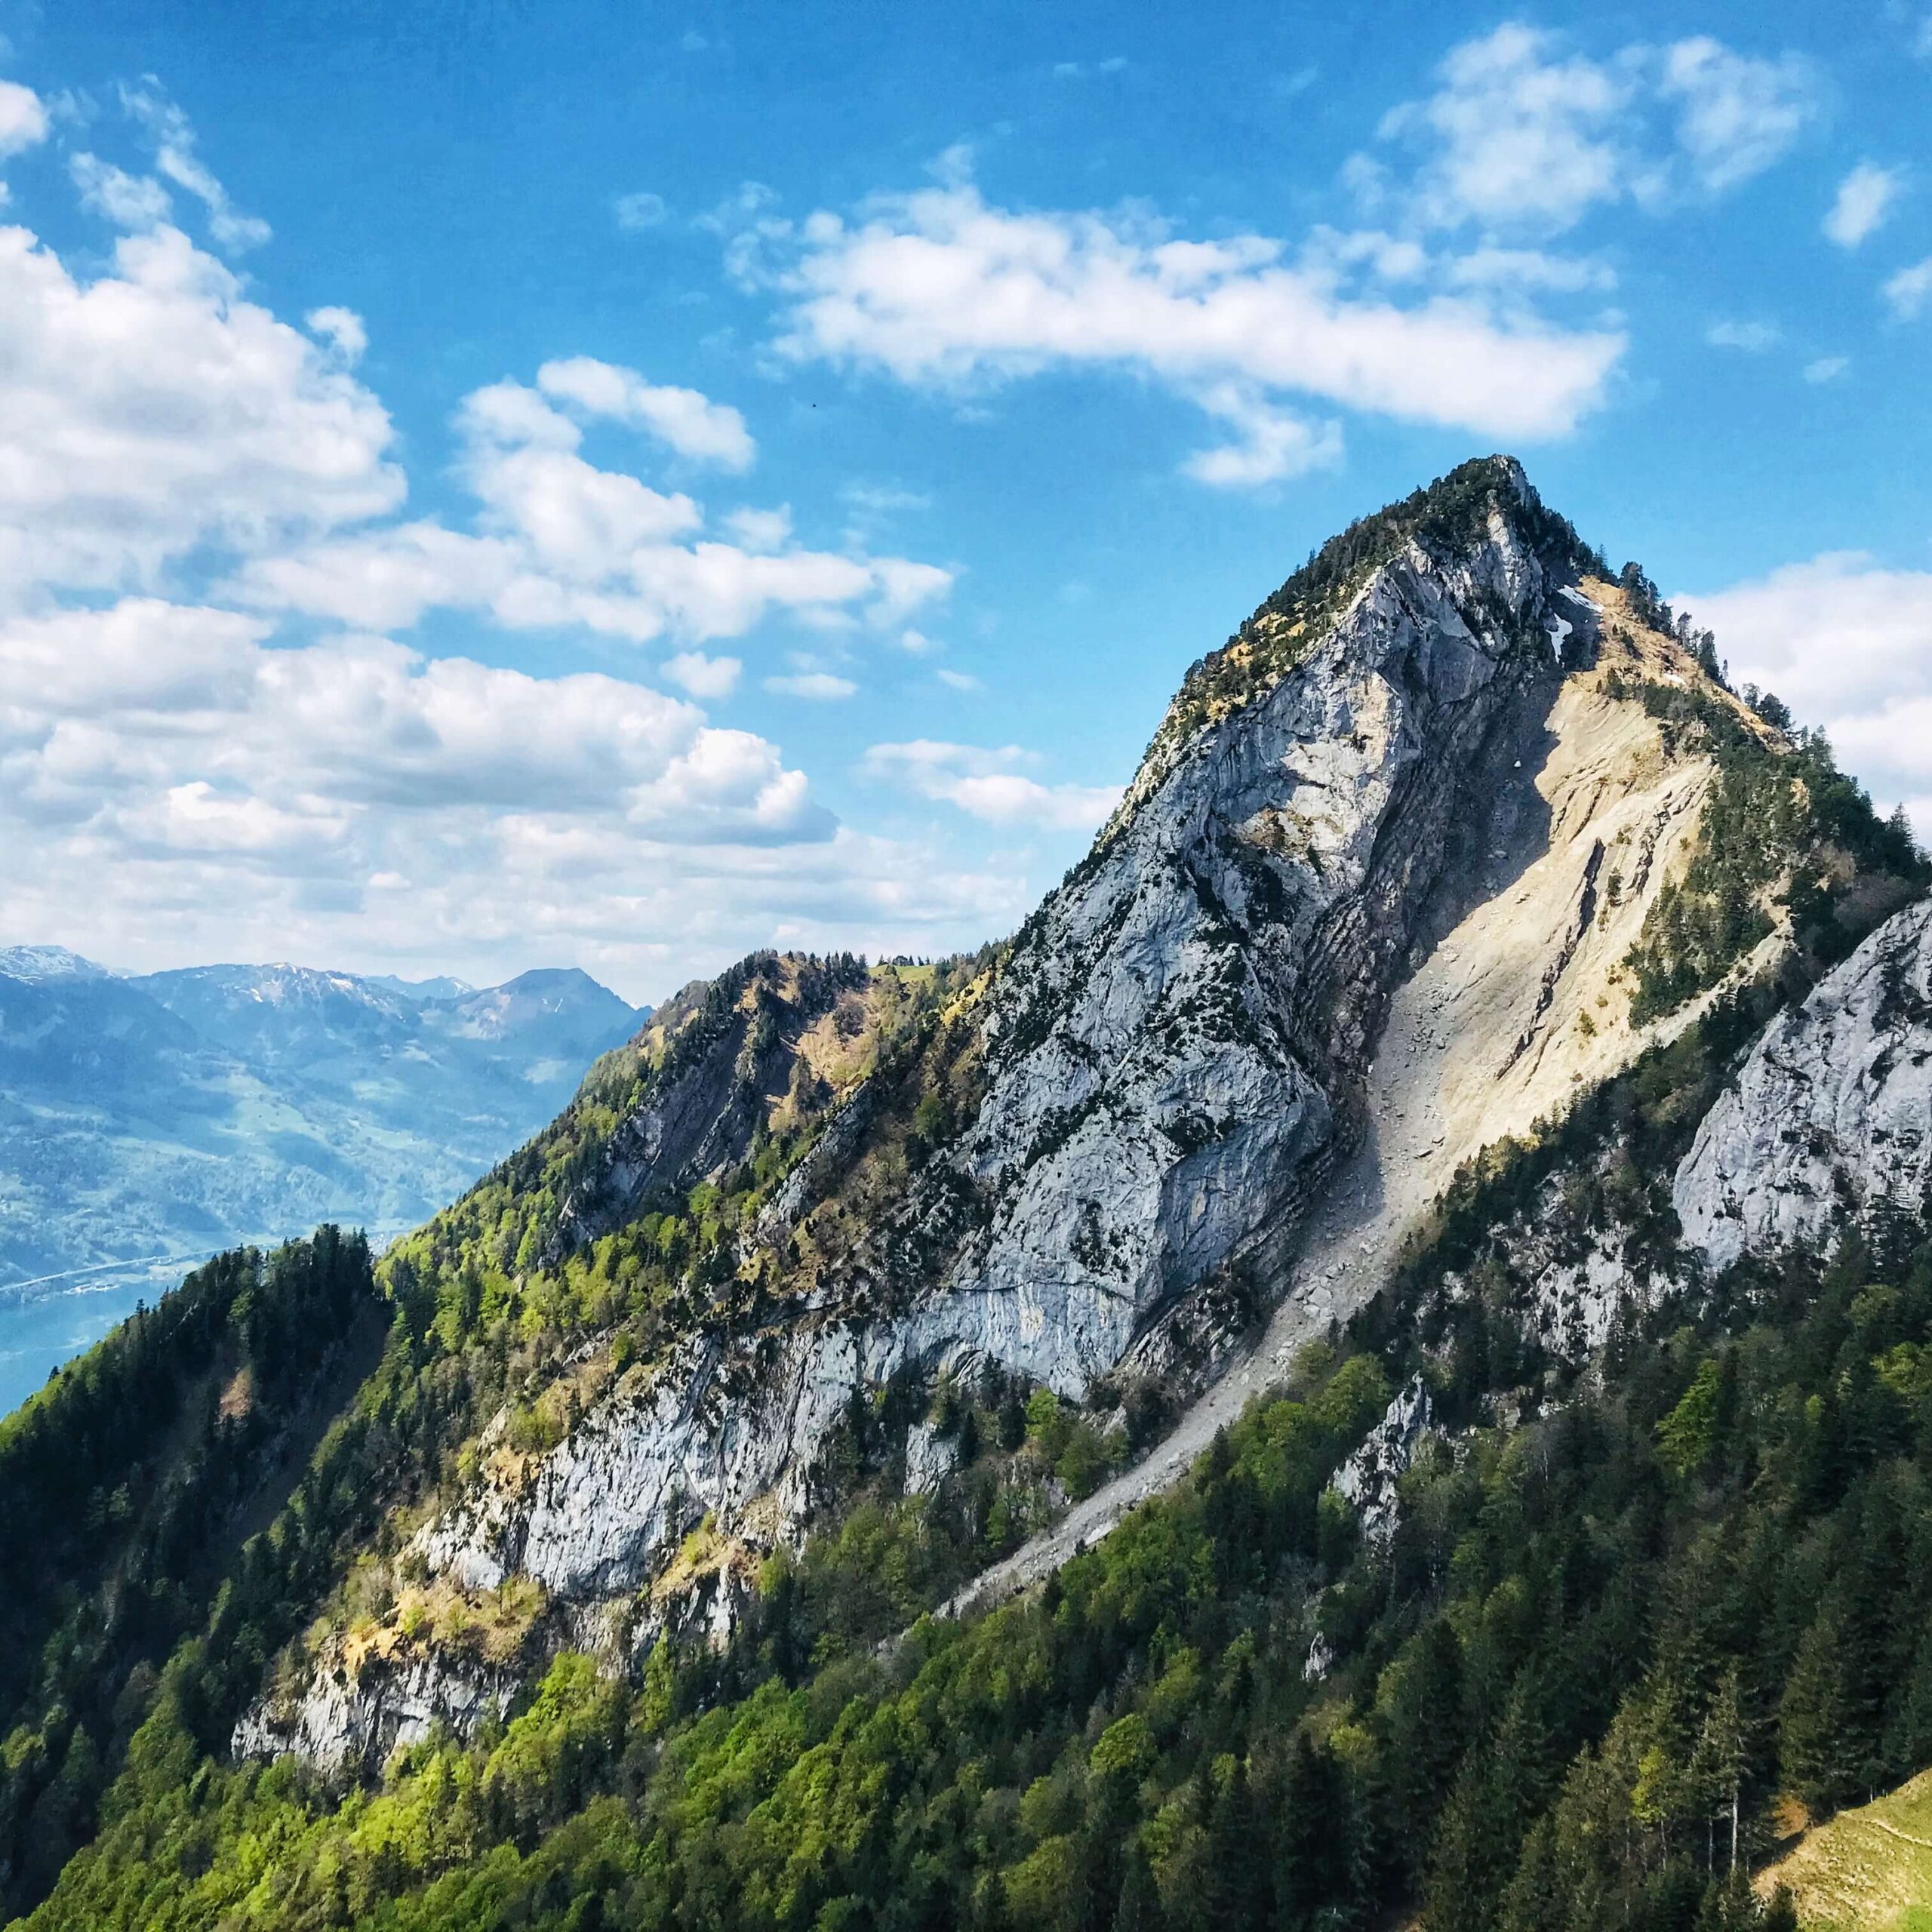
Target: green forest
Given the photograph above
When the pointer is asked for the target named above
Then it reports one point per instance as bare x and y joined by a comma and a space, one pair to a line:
1643, 1601
1601, 1641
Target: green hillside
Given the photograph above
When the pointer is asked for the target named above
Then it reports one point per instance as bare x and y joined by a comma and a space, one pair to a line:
1699, 1580
1868, 1870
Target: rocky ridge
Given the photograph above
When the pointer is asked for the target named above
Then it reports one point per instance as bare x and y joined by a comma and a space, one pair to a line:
1362, 911
1173, 1053
1829, 1122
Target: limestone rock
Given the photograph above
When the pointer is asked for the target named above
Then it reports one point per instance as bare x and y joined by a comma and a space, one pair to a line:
350, 1721
1830, 1118
1172, 1050
930, 1458
1367, 1480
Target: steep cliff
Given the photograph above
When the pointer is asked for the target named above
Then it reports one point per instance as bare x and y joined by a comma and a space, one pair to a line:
1303, 1171
1167, 1062
1371, 905
1830, 1123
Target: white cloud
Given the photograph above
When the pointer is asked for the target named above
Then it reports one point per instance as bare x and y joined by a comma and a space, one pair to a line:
1864, 199
915, 644
153, 409
640, 210
561, 543
958, 680
141, 657
1754, 338
1491, 267
179, 778
1272, 443
22, 119
174, 141
1826, 368
353, 801
1522, 134
985, 784
703, 677
342, 329
731, 786
940, 288
1737, 116
1910, 290
1848, 644
690, 423
1525, 133
761, 530
817, 687
141, 743
135, 201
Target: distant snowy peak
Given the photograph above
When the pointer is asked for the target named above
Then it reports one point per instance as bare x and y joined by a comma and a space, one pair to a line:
444, 986
278, 984
39, 963
546, 996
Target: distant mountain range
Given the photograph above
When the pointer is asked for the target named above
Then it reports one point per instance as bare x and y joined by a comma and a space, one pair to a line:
167, 1114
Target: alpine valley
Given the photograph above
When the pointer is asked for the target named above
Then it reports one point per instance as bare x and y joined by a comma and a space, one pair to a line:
173, 1114
1372, 1366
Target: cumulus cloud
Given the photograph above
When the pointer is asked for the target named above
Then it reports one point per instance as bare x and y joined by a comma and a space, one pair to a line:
1271, 443
1526, 133
149, 740
690, 422
703, 677
560, 542
180, 776
816, 687
1848, 644
153, 409
761, 530
1826, 368
353, 799
1754, 338
1908, 293
342, 329
941, 288
147, 104
1519, 132
22, 119
988, 785
1864, 199
134, 202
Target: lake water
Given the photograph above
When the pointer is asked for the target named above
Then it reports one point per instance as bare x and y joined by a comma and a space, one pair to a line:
36, 1335
41, 1330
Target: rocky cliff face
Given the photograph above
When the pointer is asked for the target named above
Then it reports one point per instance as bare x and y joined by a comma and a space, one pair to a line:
1172, 1055
1830, 1119
1413, 777
351, 1720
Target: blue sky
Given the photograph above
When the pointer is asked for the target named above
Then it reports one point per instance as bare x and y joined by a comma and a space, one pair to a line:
510, 485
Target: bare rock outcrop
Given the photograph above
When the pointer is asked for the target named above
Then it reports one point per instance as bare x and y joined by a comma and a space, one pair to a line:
1172, 1051
348, 1720
1367, 1480
1829, 1121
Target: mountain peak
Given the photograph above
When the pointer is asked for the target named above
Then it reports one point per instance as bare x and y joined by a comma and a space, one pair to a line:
39, 963
1483, 520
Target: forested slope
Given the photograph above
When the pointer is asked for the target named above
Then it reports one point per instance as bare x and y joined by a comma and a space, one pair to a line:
1535, 1593
1598, 1636
126, 1485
